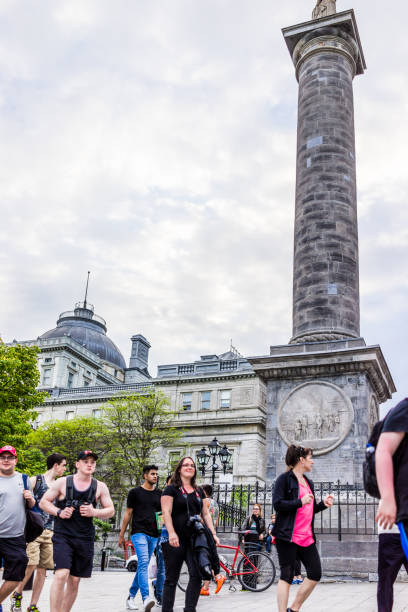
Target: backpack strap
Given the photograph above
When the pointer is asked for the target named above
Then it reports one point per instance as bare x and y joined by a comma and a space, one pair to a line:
25, 481
38, 481
91, 498
69, 495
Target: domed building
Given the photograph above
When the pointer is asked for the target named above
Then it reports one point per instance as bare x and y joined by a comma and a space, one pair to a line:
78, 353
89, 330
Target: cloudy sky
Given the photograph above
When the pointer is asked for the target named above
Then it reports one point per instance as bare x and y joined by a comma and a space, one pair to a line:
153, 143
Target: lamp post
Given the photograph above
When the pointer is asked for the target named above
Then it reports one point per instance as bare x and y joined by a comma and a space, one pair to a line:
216, 452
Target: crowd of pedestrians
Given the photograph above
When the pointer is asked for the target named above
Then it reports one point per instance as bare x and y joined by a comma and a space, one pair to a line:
67, 506
178, 525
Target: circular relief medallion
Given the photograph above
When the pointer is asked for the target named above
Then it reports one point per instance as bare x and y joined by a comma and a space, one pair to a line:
316, 415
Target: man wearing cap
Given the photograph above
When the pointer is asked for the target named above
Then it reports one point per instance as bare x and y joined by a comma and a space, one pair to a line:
76, 498
40, 552
13, 500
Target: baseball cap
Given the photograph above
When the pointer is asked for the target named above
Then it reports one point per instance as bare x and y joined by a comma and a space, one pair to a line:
87, 453
8, 449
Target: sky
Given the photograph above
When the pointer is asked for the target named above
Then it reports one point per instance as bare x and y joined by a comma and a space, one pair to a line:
153, 142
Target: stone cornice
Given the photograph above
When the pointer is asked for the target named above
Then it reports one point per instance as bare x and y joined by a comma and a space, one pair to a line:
182, 380
104, 394
368, 360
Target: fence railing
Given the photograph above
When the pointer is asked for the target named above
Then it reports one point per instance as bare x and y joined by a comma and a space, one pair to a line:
353, 511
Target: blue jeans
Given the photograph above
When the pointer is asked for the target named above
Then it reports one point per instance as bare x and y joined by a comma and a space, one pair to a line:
161, 573
144, 546
268, 544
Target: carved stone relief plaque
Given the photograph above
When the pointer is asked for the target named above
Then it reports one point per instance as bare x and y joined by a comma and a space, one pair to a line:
316, 415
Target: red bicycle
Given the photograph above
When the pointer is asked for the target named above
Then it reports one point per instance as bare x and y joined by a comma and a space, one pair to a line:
255, 570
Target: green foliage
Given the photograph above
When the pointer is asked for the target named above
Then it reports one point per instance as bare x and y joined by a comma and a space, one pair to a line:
31, 461
102, 529
19, 377
71, 437
138, 424
240, 497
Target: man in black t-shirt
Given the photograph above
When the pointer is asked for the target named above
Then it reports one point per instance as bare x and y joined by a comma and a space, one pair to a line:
391, 459
142, 504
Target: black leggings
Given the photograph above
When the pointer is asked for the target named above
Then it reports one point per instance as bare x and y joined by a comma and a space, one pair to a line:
289, 552
173, 561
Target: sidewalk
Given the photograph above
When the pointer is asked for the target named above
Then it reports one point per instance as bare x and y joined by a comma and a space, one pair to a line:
108, 591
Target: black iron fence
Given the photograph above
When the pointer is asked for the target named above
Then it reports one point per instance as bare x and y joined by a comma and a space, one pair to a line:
353, 511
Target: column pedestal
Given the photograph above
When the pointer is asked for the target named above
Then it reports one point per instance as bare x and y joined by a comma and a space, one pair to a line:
325, 396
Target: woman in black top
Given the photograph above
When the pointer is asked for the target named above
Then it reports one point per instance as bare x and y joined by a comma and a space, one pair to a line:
295, 505
179, 548
254, 526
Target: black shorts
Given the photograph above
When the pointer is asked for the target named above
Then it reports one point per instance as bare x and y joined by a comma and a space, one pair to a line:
289, 553
13, 551
74, 554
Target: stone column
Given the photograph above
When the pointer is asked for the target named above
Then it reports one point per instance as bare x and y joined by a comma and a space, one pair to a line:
325, 278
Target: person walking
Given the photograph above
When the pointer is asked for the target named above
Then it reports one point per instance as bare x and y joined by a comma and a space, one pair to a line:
161, 570
180, 501
295, 505
40, 552
254, 529
269, 538
214, 511
14, 498
142, 505
391, 461
76, 498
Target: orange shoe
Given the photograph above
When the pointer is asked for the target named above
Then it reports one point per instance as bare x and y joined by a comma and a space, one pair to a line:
205, 591
220, 581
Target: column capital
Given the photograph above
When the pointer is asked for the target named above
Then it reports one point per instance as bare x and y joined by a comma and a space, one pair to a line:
336, 32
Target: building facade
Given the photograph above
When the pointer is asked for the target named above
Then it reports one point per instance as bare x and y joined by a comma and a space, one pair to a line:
216, 396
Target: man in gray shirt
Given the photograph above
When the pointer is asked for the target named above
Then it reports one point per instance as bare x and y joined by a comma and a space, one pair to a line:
13, 499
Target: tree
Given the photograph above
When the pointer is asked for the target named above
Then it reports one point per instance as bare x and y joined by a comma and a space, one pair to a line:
19, 377
71, 437
140, 425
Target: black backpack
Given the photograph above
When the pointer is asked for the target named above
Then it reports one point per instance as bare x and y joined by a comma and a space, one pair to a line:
69, 495
369, 474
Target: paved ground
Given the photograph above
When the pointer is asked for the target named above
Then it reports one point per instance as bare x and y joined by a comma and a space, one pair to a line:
108, 591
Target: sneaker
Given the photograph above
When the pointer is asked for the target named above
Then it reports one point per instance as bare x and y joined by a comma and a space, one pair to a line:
16, 600
205, 591
131, 603
148, 604
33, 608
219, 583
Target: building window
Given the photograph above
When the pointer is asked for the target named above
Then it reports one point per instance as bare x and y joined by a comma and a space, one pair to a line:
69, 415
205, 400
89, 372
225, 399
48, 359
96, 413
187, 400
70, 380
47, 377
86, 383
73, 364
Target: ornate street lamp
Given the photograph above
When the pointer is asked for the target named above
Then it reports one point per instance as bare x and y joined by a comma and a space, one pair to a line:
213, 447
224, 455
202, 460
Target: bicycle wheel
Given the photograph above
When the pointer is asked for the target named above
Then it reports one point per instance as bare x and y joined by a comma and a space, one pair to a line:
261, 579
184, 578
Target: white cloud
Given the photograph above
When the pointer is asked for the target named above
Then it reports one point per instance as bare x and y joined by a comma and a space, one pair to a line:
154, 143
